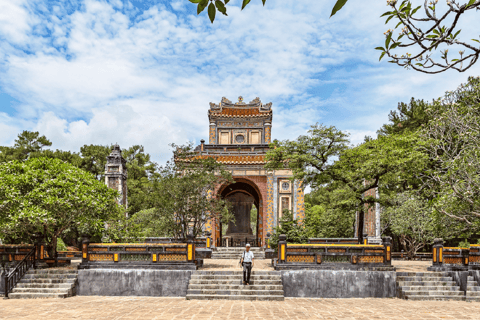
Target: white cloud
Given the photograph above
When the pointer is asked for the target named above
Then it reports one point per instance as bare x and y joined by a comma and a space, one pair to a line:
107, 72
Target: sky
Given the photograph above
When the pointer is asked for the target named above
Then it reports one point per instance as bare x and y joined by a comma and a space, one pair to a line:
144, 72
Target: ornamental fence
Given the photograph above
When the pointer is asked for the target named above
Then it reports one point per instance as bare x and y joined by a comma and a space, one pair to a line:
455, 258
141, 254
333, 254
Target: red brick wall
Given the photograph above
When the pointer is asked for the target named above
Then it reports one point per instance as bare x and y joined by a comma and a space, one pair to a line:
260, 184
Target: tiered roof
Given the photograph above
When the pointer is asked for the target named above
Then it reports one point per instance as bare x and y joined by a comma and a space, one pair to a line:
240, 109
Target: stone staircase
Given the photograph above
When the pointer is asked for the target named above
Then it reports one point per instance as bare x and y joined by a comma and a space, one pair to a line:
428, 286
46, 283
210, 285
473, 290
236, 253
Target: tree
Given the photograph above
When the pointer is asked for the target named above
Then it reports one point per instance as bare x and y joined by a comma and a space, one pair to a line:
290, 227
453, 144
183, 194
438, 29
329, 211
310, 156
407, 118
414, 221
26, 143
435, 23
47, 196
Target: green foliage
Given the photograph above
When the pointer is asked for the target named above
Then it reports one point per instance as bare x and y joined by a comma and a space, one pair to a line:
453, 144
61, 246
309, 156
290, 227
151, 223
27, 143
407, 118
47, 196
330, 212
464, 244
183, 194
338, 5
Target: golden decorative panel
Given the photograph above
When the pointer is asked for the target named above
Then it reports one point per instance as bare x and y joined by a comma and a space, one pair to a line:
453, 260
100, 257
474, 259
19, 257
448, 253
373, 251
98, 249
135, 249
304, 259
319, 259
474, 250
175, 249
370, 259
337, 250
172, 257
297, 250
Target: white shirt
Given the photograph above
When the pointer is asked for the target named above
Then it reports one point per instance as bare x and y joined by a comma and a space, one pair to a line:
247, 256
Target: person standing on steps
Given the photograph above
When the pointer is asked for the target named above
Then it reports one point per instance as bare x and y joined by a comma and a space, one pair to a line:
247, 263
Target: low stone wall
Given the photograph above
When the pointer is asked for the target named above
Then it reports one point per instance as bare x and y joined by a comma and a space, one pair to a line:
339, 284
129, 282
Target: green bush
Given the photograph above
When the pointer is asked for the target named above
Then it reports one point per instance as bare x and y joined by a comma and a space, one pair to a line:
61, 246
290, 227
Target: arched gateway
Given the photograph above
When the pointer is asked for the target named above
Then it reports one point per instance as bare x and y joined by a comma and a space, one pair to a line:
239, 136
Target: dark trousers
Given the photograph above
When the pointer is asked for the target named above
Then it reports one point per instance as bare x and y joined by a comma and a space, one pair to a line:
247, 269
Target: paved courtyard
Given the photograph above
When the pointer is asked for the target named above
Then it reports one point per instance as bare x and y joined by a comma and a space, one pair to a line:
179, 308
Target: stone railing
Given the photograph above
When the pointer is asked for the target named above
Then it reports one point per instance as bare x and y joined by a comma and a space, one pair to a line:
334, 256
14, 252
333, 240
112, 255
454, 258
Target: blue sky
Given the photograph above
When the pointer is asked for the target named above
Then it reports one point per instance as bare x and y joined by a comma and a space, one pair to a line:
144, 72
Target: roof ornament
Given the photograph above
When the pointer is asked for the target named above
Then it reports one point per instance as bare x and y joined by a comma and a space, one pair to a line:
240, 100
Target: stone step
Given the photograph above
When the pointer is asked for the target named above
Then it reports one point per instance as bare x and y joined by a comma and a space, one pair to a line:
45, 285
472, 293
425, 283
436, 298
424, 279
50, 276
422, 274
42, 290
430, 288
472, 283
23, 280
411, 293
470, 278
234, 297
234, 287
235, 292
234, 276
52, 271
472, 299
237, 272
36, 295
473, 288
237, 282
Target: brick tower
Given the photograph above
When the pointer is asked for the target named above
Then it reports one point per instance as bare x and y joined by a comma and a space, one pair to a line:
116, 174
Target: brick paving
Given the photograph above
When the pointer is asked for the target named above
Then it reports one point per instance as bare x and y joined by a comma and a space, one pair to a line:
179, 308
411, 266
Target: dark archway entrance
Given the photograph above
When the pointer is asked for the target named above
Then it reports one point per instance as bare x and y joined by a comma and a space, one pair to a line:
243, 196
